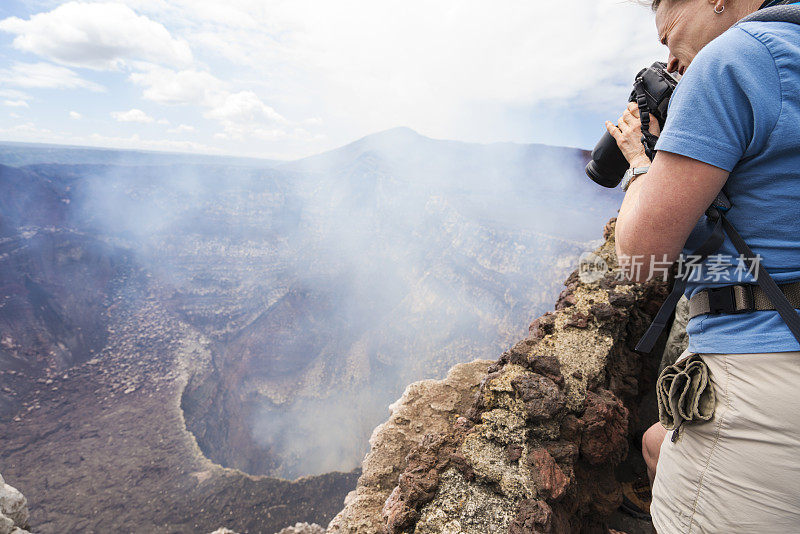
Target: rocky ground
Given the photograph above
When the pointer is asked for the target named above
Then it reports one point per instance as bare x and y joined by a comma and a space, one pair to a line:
14, 513
103, 447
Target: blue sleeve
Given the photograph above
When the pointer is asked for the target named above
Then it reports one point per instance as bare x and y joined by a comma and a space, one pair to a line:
727, 103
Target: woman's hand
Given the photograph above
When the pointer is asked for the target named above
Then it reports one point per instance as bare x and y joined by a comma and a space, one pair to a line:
628, 134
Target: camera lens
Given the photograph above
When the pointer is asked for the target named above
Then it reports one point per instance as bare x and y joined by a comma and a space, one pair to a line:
608, 165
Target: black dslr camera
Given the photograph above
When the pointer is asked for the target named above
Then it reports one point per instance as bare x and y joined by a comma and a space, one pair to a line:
651, 91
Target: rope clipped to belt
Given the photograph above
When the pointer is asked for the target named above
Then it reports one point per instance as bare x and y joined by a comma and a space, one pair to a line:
685, 394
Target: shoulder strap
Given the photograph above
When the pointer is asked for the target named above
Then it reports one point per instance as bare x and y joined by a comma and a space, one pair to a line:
716, 213
710, 246
776, 297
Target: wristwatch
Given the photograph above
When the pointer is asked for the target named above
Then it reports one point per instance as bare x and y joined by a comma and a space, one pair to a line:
631, 174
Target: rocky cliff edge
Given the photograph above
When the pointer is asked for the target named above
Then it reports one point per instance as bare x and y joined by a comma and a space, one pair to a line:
532, 442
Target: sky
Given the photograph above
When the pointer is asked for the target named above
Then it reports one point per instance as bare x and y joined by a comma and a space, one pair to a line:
284, 79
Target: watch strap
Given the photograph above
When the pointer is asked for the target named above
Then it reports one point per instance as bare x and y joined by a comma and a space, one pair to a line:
631, 174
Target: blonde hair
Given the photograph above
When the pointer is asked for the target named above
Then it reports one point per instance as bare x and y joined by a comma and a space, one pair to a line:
652, 4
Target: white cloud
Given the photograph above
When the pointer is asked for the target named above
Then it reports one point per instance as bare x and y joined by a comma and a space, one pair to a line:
243, 114
240, 112
182, 128
46, 76
16, 103
13, 94
75, 115
132, 115
166, 86
27, 130
96, 35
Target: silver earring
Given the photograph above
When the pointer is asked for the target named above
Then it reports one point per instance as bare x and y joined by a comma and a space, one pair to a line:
721, 9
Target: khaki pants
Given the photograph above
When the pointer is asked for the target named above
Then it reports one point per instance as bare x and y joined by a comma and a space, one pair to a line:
740, 471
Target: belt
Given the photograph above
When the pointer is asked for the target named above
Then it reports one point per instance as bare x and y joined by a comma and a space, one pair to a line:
739, 298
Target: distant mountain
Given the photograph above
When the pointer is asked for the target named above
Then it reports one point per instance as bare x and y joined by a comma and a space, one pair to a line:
515, 186
308, 293
20, 154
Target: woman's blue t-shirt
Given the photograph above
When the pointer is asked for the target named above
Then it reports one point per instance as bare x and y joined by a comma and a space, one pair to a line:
738, 108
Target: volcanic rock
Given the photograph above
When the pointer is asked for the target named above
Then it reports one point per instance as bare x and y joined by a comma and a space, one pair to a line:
14, 513
551, 420
429, 406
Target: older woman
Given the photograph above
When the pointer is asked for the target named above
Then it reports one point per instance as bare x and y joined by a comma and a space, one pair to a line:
733, 122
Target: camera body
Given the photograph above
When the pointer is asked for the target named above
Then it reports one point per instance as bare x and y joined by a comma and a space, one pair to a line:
652, 90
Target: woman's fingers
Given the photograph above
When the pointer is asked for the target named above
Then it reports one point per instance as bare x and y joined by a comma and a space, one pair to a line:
633, 110
628, 122
613, 130
654, 127
630, 118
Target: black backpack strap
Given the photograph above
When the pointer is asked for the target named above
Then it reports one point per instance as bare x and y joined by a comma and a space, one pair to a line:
710, 246
765, 281
716, 213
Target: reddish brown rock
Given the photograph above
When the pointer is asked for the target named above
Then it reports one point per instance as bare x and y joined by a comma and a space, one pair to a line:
458, 461
534, 517
542, 326
549, 366
551, 482
578, 320
543, 398
565, 299
602, 311
562, 451
605, 426
513, 452
601, 493
620, 299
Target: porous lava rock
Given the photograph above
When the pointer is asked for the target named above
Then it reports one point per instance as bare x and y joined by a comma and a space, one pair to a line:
14, 513
427, 408
536, 449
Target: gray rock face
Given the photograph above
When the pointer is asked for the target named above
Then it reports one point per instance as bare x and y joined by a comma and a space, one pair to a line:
14, 514
426, 406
